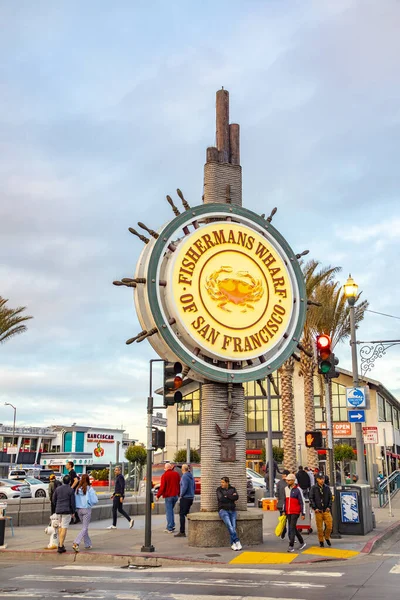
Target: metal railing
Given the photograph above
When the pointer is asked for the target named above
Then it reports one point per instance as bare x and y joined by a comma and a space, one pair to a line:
394, 486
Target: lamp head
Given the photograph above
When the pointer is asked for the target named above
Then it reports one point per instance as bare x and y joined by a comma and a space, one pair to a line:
350, 289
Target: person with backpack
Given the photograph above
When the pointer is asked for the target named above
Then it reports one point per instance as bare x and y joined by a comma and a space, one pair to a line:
53, 485
85, 498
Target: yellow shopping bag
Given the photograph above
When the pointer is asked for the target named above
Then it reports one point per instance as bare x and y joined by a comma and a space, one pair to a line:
281, 525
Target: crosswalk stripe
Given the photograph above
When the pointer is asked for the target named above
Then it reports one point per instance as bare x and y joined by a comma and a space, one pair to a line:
169, 581
195, 570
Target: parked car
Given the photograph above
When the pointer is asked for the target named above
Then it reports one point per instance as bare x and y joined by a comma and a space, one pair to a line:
257, 479
18, 474
10, 488
38, 488
251, 492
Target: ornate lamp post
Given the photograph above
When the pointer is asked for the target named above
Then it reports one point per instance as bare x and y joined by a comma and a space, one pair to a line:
350, 289
13, 432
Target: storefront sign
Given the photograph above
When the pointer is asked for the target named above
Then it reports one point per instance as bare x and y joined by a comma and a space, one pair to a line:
105, 438
340, 429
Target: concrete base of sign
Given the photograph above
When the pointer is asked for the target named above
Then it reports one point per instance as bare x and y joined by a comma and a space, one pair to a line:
206, 530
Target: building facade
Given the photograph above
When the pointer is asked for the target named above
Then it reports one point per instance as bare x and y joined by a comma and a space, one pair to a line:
383, 413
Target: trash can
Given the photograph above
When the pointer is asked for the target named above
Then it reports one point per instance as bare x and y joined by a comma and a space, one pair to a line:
353, 509
2, 530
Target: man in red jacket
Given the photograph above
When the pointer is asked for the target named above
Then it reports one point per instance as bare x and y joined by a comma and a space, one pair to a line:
169, 489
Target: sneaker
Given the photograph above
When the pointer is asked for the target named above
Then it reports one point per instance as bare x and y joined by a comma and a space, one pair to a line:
112, 527
328, 542
290, 549
131, 522
234, 546
169, 530
88, 547
75, 547
321, 544
61, 549
238, 545
180, 534
303, 546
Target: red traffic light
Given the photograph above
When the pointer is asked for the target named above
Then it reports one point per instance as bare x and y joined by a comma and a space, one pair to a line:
323, 341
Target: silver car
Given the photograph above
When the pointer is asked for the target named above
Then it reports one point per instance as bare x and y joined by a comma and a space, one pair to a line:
9, 488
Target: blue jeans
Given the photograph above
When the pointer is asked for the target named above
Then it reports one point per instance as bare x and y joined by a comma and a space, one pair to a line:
169, 511
229, 518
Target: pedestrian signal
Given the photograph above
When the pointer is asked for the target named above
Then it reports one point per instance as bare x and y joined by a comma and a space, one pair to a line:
158, 438
327, 361
173, 380
314, 439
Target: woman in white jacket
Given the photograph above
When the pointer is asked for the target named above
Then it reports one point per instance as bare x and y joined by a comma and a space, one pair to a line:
85, 498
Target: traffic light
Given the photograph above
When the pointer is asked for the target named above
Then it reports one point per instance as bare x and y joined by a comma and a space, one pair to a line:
158, 438
173, 380
327, 361
314, 439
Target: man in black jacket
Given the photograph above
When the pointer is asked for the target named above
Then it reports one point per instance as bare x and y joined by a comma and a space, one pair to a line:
303, 481
118, 499
321, 503
64, 501
227, 496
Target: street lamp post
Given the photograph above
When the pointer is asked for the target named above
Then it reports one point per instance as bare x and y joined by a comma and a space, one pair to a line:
351, 292
15, 414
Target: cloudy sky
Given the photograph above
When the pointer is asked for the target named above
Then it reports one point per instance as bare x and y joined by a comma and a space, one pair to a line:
107, 107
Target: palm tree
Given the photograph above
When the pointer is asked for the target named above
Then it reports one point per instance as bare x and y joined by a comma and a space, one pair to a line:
334, 318
11, 321
288, 427
315, 277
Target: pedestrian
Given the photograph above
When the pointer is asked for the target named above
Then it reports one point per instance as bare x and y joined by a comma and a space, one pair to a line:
53, 485
303, 481
186, 497
85, 498
294, 507
64, 500
169, 489
310, 473
74, 483
227, 496
280, 494
118, 499
354, 478
275, 471
321, 503
347, 478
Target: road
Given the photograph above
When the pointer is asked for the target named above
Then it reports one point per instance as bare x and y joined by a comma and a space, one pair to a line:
369, 578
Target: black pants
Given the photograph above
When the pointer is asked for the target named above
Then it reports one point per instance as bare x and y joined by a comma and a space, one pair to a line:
293, 532
184, 508
118, 507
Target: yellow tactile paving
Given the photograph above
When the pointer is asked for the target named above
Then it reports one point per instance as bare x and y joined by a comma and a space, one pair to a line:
257, 558
331, 552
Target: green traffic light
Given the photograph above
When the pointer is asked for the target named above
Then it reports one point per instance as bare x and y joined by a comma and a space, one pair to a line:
325, 367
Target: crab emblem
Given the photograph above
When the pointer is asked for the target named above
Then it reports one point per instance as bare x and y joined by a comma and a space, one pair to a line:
241, 290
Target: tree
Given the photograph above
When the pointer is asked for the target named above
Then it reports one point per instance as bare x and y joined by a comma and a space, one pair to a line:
180, 456
315, 277
277, 453
11, 321
136, 454
344, 452
334, 318
288, 427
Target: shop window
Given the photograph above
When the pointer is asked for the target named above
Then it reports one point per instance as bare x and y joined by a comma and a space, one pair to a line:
339, 408
396, 418
388, 412
68, 441
79, 441
189, 410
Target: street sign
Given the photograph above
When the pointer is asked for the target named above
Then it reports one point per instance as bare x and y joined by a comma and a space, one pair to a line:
370, 435
356, 397
159, 421
356, 416
12, 449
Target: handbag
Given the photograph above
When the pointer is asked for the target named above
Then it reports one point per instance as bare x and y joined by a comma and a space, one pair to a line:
92, 498
281, 525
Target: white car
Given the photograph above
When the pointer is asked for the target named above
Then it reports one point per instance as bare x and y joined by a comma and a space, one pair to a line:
37, 487
256, 479
9, 488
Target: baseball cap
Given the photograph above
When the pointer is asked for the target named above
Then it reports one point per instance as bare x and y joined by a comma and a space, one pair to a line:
320, 476
291, 477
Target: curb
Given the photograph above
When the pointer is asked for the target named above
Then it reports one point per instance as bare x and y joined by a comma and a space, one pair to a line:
376, 541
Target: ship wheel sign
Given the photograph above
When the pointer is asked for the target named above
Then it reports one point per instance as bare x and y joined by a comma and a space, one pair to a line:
222, 291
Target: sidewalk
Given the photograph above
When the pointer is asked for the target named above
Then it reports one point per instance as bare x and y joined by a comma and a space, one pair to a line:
123, 546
